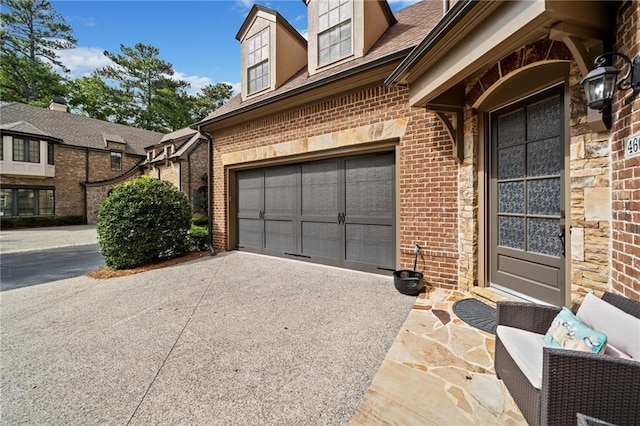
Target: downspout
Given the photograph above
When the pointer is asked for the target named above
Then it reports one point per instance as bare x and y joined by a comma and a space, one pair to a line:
86, 179
445, 7
209, 192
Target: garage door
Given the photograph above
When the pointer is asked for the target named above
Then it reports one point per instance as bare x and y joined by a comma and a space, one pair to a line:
337, 212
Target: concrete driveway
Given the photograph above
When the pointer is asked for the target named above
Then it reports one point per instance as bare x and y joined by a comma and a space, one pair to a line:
232, 339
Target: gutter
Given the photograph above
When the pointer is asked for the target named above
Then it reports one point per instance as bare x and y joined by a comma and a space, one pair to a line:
212, 250
459, 10
308, 87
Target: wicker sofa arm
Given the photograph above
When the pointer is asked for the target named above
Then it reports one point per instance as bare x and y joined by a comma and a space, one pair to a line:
600, 386
526, 316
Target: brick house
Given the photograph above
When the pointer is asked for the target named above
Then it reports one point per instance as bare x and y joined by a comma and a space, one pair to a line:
54, 163
461, 128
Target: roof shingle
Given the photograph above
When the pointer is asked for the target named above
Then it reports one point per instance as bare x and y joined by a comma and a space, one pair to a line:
77, 130
414, 23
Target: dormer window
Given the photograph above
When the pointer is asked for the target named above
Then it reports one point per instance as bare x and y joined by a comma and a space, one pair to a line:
334, 30
258, 61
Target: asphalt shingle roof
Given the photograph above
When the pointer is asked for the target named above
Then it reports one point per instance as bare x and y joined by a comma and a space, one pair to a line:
414, 23
77, 130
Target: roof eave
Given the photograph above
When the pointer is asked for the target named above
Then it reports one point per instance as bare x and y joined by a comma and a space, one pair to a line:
459, 10
305, 88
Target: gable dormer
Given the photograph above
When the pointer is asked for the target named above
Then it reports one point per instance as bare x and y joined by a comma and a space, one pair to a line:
272, 51
341, 30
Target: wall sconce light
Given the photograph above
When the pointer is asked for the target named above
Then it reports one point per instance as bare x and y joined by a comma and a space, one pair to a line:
601, 82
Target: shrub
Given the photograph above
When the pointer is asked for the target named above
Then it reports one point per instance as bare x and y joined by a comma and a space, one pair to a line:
200, 220
143, 220
198, 238
38, 221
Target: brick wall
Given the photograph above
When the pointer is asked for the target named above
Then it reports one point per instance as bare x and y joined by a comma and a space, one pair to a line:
625, 278
70, 171
192, 179
170, 172
100, 165
427, 173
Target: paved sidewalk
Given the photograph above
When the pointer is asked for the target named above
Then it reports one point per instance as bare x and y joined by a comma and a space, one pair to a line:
19, 240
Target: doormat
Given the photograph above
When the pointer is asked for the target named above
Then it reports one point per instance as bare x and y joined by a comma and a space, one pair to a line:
477, 314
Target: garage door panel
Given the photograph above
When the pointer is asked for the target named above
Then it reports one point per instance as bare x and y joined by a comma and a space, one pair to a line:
373, 244
250, 234
279, 236
279, 191
250, 192
369, 187
320, 239
337, 212
320, 189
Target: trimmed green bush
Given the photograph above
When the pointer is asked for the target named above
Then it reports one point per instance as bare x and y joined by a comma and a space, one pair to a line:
200, 220
39, 221
198, 238
143, 220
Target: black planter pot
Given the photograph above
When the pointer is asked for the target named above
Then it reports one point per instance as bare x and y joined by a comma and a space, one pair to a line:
408, 282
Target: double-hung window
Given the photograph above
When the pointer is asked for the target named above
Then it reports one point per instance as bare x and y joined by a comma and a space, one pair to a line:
258, 61
334, 30
27, 202
26, 150
116, 160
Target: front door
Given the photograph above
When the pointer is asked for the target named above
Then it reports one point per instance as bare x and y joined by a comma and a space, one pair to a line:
526, 198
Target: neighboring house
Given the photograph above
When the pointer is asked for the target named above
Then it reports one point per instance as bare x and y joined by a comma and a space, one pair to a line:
463, 130
54, 163
181, 158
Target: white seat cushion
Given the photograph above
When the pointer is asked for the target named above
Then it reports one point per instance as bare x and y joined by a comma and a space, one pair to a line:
622, 329
525, 348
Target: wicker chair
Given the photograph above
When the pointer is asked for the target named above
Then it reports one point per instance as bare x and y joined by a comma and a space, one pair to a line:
600, 386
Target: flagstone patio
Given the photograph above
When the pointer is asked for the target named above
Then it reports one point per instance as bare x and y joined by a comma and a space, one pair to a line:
439, 371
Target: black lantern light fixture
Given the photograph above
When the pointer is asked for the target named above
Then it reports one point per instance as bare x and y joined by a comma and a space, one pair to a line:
601, 82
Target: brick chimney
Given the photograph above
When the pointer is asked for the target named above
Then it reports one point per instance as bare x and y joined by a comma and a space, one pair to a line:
58, 104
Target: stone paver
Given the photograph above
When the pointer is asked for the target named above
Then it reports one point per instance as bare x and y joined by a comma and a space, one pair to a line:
439, 371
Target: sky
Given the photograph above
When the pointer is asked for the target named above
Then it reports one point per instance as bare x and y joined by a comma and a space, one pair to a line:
196, 37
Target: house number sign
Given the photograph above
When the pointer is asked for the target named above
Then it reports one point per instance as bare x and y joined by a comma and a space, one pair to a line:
632, 145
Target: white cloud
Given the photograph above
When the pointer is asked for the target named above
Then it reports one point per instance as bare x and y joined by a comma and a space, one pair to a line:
196, 82
244, 5
236, 87
82, 61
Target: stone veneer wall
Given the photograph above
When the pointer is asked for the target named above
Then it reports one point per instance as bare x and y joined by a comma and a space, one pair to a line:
427, 173
625, 276
589, 215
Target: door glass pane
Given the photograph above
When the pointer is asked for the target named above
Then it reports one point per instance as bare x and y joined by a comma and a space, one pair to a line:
543, 119
544, 157
543, 236
511, 197
544, 196
6, 202
511, 128
511, 162
45, 202
511, 232
26, 202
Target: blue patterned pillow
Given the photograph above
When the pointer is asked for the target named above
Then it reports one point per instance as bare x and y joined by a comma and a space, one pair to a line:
567, 332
